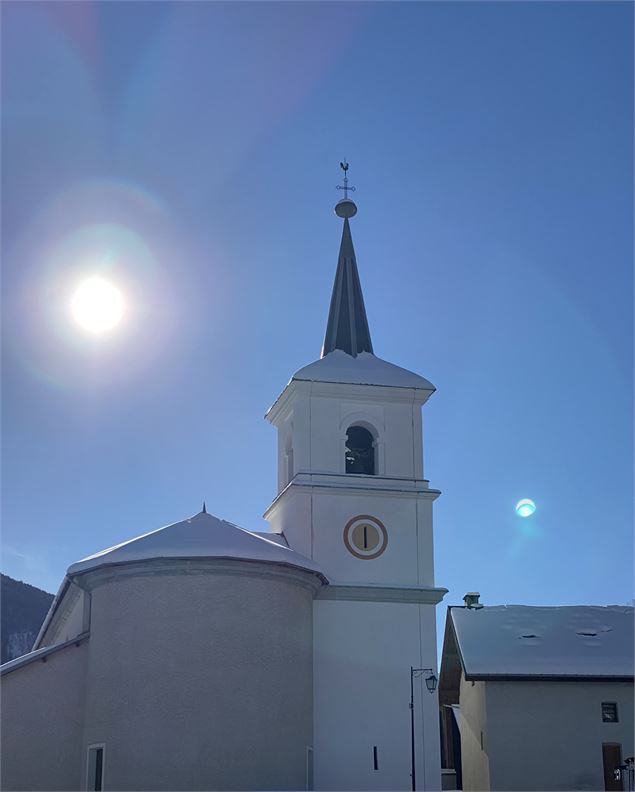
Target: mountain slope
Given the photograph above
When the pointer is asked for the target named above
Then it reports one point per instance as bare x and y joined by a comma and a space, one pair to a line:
22, 611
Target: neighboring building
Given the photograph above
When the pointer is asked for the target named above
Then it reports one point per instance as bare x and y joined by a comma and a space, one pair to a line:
544, 694
203, 656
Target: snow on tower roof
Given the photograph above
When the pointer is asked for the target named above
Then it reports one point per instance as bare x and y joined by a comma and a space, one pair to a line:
528, 641
200, 536
363, 369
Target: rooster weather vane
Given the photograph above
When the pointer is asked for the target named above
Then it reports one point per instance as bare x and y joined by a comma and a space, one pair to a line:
345, 187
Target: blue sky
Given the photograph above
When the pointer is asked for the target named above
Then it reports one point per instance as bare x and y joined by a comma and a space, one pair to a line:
190, 151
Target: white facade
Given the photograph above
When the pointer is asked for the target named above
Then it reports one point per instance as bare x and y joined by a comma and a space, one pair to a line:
362, 652
541, 735
376, 619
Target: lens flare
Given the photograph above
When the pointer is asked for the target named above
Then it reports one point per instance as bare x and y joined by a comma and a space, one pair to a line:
525, 507
97, 306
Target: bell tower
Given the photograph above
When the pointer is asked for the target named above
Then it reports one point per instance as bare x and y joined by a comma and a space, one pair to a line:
352, 496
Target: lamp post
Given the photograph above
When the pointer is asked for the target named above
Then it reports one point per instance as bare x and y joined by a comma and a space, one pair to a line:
626, 768
431, 684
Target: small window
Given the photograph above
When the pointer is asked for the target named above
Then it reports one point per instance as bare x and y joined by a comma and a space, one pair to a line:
375, 761
609, 712
360, 451
95, 768
309, 767
288, 456
289, 460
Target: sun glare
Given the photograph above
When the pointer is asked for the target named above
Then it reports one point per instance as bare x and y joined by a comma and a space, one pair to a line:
97, 306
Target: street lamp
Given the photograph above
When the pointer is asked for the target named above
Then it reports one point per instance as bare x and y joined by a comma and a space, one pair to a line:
431, 684
626, 768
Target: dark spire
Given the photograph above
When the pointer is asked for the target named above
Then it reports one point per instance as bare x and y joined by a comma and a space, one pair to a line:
347, 326
204, 509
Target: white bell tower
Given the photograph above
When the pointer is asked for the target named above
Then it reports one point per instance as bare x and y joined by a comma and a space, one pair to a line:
352, 496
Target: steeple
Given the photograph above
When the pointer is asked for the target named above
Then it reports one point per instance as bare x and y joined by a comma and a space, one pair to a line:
347, 326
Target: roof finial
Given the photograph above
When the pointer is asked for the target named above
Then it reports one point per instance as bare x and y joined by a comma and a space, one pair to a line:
204, 509
345, 207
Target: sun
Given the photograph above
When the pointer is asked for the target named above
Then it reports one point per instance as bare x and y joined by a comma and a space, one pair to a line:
97, 306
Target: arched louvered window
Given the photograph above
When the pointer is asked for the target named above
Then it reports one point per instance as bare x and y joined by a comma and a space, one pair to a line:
360, 451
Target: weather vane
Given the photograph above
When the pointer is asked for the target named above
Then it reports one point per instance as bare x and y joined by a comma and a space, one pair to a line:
346, 188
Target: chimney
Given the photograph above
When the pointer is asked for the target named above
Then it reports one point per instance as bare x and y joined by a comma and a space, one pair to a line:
471, 600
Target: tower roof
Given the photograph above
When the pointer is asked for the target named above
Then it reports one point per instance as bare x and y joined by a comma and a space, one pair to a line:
362, 369
347, 326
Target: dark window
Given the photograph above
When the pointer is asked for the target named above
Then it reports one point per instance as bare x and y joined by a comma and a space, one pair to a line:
95, 769
375, 764
609, 712
360, 452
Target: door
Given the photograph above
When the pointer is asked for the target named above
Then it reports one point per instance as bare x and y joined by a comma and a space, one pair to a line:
612, 758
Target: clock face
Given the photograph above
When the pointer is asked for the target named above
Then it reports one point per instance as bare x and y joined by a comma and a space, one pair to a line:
365, 537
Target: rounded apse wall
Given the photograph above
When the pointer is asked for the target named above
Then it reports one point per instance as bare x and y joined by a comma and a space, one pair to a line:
200, 674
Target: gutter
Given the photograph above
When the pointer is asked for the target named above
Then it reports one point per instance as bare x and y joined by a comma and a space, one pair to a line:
40, 654
549, 677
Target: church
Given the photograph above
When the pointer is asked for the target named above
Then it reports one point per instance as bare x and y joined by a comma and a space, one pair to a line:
202, 656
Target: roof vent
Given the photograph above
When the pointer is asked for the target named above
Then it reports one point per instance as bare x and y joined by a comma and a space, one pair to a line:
471, 600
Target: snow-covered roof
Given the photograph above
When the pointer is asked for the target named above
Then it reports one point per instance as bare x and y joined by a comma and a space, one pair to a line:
278, 538
201, 536
522, 641
363, 369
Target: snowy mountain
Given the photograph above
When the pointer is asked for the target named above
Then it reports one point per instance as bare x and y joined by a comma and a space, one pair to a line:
22, 611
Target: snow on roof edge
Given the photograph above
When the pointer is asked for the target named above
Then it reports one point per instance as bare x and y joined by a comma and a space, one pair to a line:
288, 564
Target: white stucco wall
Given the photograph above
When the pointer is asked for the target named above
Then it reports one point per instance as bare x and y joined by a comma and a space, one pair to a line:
42, 721
540, 735
313, 521
71, 618
315, 416
313, 510
549, 735
474, 748
362, 657
200, 680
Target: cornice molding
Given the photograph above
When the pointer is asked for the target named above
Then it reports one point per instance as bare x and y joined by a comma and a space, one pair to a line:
424, 595
366, 485
160, 567
364, 392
